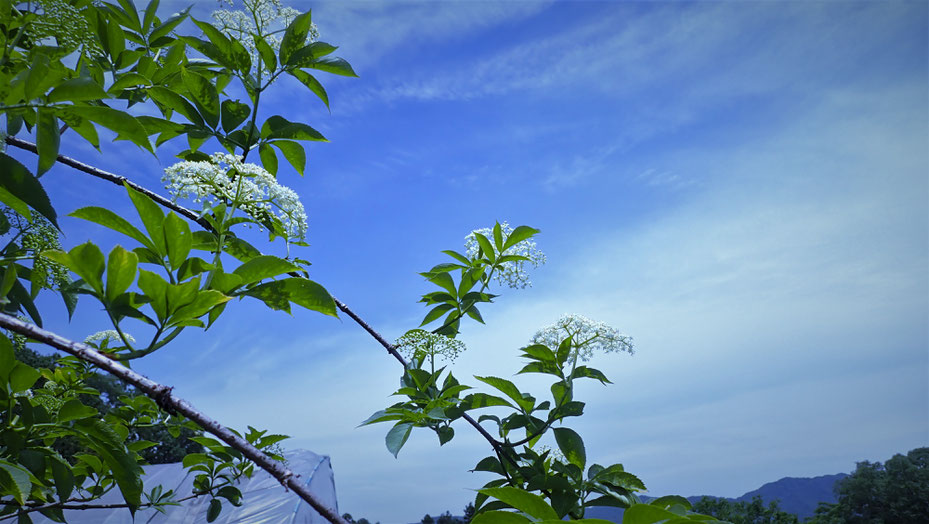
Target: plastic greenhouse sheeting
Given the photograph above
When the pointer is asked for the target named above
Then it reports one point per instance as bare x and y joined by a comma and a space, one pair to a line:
264, 499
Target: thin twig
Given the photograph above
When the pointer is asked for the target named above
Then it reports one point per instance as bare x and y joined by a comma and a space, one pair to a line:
162, 394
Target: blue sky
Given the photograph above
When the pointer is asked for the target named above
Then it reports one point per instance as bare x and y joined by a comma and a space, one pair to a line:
741, 187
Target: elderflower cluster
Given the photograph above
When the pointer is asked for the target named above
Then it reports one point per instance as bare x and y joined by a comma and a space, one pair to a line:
107, 335
64, 22
419, 343
226, 178
587, 337
260, 17
40, 235
512, 274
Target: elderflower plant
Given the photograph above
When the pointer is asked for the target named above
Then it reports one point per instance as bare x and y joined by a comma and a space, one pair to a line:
417, 344
587, 337
512, 274
261, 18
225, 178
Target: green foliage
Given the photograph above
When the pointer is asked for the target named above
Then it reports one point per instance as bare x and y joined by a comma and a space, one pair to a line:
754, 512
896, 491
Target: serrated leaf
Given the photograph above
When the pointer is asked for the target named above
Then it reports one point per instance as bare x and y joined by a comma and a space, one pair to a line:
234, 113
312, 84
518, 235
336, 66
262, 267
294, 36
268, 158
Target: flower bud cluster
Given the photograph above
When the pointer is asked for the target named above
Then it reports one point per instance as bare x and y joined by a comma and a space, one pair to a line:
587, 337
40, 235
419, 343
226, 178
512, 274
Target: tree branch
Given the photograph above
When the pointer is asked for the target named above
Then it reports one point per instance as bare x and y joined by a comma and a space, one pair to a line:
116, 179
162, 394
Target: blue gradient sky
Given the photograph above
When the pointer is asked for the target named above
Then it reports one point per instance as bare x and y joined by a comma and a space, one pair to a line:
742, 187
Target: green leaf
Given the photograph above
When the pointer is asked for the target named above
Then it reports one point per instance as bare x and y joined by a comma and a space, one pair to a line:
266, 53
294, 36
499, 517
262, 267
168, 25
435, 313
109, 219
64, 478
15, 204
486, 247
77, 90
310, 82
303, 292
152, 218
216, 506
109, 445
156, 289
7, 358
518, 235
178, 239
205, 301
127, 80
498, 237
15, 480
234, 113
120, 271
204, 95
123, 124
279, 127
87, 261
336, 66
19, 183
571, 446
268, 158
646, 514
47, 139
529, 503
293, 152
149, 16
74, 410
22, 377
175, 102
397, 437
509, 389
482, 400
444, 280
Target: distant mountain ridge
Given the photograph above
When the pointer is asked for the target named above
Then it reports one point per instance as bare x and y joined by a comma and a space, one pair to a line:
797, 495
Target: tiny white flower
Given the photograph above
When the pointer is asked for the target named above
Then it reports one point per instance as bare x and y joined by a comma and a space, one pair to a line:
587, 335
512, 274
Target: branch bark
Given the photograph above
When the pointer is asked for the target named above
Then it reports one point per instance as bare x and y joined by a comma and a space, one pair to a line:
162, 394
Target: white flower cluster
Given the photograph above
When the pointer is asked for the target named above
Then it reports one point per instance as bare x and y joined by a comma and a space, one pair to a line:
418, 343
512, 274
262, 18
588, 337
226, 178
106, 336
